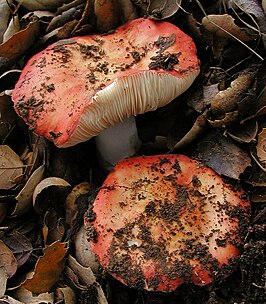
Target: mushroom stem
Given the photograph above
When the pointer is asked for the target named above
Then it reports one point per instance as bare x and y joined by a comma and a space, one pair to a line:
117, 142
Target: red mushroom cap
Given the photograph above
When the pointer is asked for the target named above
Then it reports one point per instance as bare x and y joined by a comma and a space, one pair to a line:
159, 221
78, 87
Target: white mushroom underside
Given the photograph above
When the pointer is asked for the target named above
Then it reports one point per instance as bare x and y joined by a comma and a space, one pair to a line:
128, 96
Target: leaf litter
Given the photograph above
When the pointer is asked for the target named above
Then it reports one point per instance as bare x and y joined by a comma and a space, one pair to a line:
220, 121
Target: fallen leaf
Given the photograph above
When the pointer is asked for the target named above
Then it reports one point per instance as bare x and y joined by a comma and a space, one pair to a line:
47, 269
4, 17
127, 11
53, 228
10, 167
107, 14
83, 253
71, 206
261, 147
18, 44
158, 9
34, 5
20, 246
3, 281
252, 7
12, 29
221, 154
65, 295
224, 26
86, 275
27, 297
245, 132
67, 14
24, 200
50, 192
9, 300
7, 260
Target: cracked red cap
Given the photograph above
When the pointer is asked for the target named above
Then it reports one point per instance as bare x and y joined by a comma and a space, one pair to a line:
159, 221
77, 87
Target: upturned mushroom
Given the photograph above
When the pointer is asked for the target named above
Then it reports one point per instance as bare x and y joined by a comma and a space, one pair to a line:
160, 221
76, 88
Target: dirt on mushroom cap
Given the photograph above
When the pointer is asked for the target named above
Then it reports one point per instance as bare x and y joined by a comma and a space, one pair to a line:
159, 221
62, 83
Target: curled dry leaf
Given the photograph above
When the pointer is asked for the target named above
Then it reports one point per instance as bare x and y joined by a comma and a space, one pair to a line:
158, 9
73, 14
3, 281
24, 197
26, 296
71, 206
20, 245
107, 14
224, 27
47, 269
202, 97
34, 5
54, 227
127, 10
51, 191
4, 17
12, 29
7, 260
65, 295
83, 253
221, 154
245, 132
18, 44
86, 276
253, 8
261, 147
10, 167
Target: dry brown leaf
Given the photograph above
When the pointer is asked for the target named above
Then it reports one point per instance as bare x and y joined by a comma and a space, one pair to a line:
224, 26
83, 254
12, 29
65, 295
261, 147
71, 206
127, 11
3, 281
158, 9
26, 296
161, 9
34, 5
244, 133
72, 14
50, 192
86, 275
7, 260
9, 300
19, 43
107, 14
4, 17
54, 227
20, 245
221, 154
24, 198
10, 167
47, 269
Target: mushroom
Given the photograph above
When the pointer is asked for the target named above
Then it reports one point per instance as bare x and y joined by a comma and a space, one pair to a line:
78, 87
162, 220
